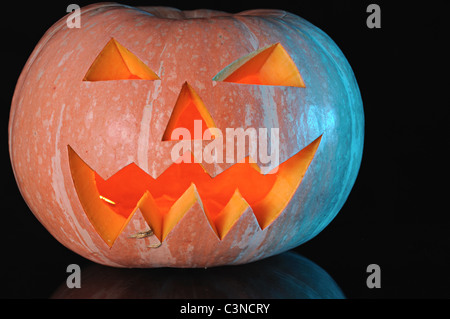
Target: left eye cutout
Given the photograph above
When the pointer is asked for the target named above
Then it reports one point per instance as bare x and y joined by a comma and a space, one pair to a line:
115, 62
271, 65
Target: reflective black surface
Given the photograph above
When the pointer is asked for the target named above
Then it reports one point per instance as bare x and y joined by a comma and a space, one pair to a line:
286, 276
396, 215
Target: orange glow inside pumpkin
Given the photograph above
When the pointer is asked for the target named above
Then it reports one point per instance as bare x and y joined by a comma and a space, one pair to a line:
109, 204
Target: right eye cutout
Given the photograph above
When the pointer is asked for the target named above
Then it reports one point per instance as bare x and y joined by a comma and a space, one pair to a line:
270, 65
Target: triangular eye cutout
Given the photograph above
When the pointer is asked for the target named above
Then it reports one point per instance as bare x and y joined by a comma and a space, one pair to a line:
115, 62
271, 65
188, 110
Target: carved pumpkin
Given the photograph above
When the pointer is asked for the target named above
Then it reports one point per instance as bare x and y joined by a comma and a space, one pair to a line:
99, 111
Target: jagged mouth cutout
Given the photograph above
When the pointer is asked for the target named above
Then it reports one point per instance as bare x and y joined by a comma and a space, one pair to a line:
110, 204
163, 201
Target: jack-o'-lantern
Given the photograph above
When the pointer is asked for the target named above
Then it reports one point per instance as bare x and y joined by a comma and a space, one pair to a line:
154, 137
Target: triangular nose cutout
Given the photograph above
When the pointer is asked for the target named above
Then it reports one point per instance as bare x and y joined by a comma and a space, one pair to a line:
187, 115
115, 62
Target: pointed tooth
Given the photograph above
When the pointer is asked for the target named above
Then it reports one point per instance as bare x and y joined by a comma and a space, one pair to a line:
290, 175
162, 222
152, 215
107, 224
178, 210
229, 215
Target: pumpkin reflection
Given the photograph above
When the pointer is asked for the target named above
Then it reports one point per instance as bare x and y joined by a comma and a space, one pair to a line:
286, 276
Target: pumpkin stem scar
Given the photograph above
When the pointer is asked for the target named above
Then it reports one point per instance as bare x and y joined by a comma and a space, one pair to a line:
145, 234
155, 245
142, 234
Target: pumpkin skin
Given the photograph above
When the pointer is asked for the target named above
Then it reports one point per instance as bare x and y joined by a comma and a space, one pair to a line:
114, 123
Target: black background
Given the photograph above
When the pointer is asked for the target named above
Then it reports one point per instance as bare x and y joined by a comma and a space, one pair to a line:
396, 215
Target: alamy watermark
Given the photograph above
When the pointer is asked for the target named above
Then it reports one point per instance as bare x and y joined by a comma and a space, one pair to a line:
230, 147
373, 21
74, 279
374, 279
74, 19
